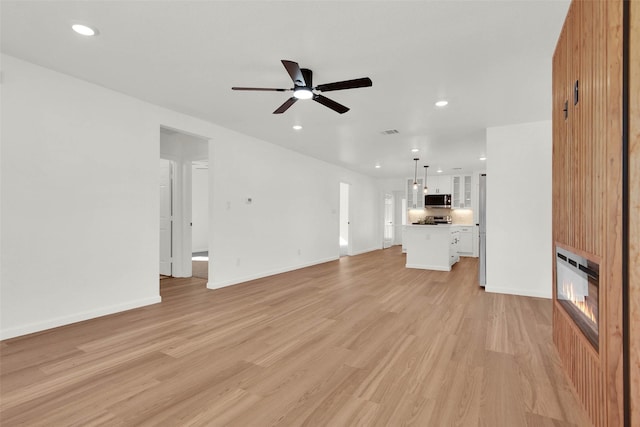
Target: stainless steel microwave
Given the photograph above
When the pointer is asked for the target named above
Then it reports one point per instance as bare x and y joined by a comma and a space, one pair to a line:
437, 200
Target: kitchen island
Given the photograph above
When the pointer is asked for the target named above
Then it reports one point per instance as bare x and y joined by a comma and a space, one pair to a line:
431, 247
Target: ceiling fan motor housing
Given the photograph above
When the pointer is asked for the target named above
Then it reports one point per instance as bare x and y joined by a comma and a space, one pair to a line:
308, 78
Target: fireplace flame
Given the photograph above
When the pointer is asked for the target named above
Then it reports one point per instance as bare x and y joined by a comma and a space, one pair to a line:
579, 301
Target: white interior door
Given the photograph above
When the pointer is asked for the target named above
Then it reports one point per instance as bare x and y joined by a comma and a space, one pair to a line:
166, 217
387, 241
399, 206
344, 219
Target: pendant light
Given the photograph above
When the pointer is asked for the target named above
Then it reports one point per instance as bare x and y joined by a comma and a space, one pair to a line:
415, 175
425, 190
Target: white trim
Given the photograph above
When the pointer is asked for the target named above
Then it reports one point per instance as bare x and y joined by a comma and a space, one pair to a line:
214, 285
77, 317
428, 267
520, 292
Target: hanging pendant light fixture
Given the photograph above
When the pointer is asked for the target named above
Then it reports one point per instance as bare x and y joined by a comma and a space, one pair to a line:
425, 190
415, 175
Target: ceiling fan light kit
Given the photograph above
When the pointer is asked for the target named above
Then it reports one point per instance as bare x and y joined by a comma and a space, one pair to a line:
302, 93
303, 88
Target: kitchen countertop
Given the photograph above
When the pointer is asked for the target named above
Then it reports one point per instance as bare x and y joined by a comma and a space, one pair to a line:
440, 225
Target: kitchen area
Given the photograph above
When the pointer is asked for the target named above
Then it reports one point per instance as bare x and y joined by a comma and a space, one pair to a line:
444, 220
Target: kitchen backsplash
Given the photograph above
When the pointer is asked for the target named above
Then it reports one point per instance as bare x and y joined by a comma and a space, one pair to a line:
462, 216
458, 216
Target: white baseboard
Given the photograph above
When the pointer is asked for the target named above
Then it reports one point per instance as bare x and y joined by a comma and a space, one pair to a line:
519, 292
76, 317
428, 267
364, 251
217, 285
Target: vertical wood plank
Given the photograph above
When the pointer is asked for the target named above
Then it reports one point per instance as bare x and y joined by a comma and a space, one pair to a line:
634, 211
587, 191
613, 259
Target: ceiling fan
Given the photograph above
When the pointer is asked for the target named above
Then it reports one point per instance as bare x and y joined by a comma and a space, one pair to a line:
303, 88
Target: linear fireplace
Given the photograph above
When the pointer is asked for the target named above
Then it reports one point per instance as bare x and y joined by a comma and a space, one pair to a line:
577, 291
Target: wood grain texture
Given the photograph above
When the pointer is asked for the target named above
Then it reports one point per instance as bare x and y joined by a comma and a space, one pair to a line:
582, 364
634, 210
613, 366
359, 341
587, 191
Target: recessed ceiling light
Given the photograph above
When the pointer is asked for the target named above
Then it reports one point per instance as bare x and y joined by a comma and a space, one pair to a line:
439, 171
483, 157
297, 127
378, 166
442, 103
414, 150
84, 30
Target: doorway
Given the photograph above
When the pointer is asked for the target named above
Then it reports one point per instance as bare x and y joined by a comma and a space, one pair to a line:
166, 217
180, 150
344, 238
200, 219
388, 232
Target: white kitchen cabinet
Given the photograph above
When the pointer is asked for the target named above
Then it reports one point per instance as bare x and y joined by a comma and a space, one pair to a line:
461, 194
431, 247
465, 240
439, 184
415, 197
454, 255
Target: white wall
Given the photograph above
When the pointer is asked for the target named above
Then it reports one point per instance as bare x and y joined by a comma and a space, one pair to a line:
519, 209
293, 219
79, 199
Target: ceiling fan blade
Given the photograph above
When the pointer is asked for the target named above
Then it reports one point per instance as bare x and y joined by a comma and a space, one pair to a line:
269, 89
284, 107
347, 84
294, 71
339, 108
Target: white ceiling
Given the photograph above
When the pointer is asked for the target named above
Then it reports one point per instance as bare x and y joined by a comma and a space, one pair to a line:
490, 59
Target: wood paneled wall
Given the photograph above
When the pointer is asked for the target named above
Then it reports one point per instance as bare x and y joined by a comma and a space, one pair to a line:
634, 213
582, 364
587, 194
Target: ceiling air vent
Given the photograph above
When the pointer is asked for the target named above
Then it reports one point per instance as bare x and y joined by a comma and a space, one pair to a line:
389, 132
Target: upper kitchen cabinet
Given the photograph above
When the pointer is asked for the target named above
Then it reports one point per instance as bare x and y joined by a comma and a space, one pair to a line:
415, 197
439, 184
461, 194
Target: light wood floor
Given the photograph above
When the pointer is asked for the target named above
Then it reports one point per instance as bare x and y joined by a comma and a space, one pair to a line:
200, 269
359, 341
